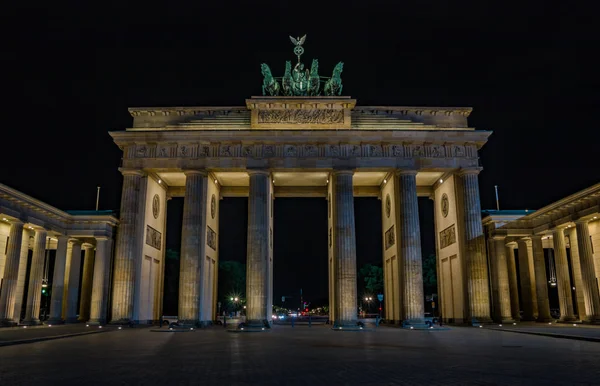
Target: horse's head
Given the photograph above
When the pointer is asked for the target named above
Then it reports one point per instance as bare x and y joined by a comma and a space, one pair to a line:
337, 70
266, 71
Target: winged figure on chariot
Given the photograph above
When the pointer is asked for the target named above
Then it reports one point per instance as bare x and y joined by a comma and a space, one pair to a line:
300, 81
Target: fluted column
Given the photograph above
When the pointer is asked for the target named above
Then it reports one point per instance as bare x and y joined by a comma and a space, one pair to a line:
257, 263
11, 274
58, 280
192, 241
73, 286
501, 267
345, 242
525, 276
588, 275
126, 245
100, 282
512, 280
86, 283
36, 276
562, 276
477, 279
541, 280
413, 307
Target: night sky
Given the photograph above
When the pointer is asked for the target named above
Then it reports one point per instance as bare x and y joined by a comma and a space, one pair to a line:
528, 70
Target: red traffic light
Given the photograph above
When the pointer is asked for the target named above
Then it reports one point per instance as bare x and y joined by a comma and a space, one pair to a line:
379, 308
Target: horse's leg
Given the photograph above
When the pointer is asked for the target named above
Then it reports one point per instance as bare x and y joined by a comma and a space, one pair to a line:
340, 92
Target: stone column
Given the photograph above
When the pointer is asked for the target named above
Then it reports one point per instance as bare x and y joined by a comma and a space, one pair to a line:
100, 282
345, 247
126, 245
73, 288
565, 299
36, 276
541, 280
257, 265
588, 275
192, 242
86, 283
512, 280
413, 307
501, 267
11, 274
525, 276
58, 281
477, 279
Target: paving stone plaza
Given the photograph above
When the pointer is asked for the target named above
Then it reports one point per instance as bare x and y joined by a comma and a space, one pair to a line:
301, 356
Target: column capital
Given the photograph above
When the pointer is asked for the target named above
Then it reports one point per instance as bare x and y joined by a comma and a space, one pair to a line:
102, 238
536, 237
582, 221
132, 172
511, 244
264, 172
499, 237
469, 171
342, 171
406, 172
87, 246
75, 241
194, 172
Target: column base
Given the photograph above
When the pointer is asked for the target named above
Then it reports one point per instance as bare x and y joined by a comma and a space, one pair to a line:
55, 321
507, 320
31, 322
415, 324
348, 325
96, 322
591, 320
476, 322
544, 320
567, 319
8, 323
71, 320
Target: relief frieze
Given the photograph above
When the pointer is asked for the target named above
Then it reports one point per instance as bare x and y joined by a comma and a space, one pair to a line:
227, 150
448, 236
325, 116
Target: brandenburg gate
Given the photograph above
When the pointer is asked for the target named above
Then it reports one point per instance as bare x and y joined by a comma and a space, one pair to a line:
294, 142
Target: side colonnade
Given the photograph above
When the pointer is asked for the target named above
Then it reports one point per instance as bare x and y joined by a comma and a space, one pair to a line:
551, 249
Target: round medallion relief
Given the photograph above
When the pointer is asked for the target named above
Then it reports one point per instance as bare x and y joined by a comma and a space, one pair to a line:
388, 205
445, 205
155, 206
213, 206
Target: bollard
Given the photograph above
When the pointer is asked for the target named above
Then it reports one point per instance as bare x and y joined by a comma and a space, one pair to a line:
309, 321
292, 321
377, 321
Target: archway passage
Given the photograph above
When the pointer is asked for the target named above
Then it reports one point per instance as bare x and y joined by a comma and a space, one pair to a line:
300, 272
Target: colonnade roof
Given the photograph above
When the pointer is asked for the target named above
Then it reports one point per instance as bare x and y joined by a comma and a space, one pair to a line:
581, 206
36, 214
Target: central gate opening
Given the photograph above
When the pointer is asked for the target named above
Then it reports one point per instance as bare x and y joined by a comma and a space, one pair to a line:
300, 271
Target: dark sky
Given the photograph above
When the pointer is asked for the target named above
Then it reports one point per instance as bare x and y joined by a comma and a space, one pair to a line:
527, 68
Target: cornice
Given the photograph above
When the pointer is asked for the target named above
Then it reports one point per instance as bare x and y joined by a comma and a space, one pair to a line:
402, 110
